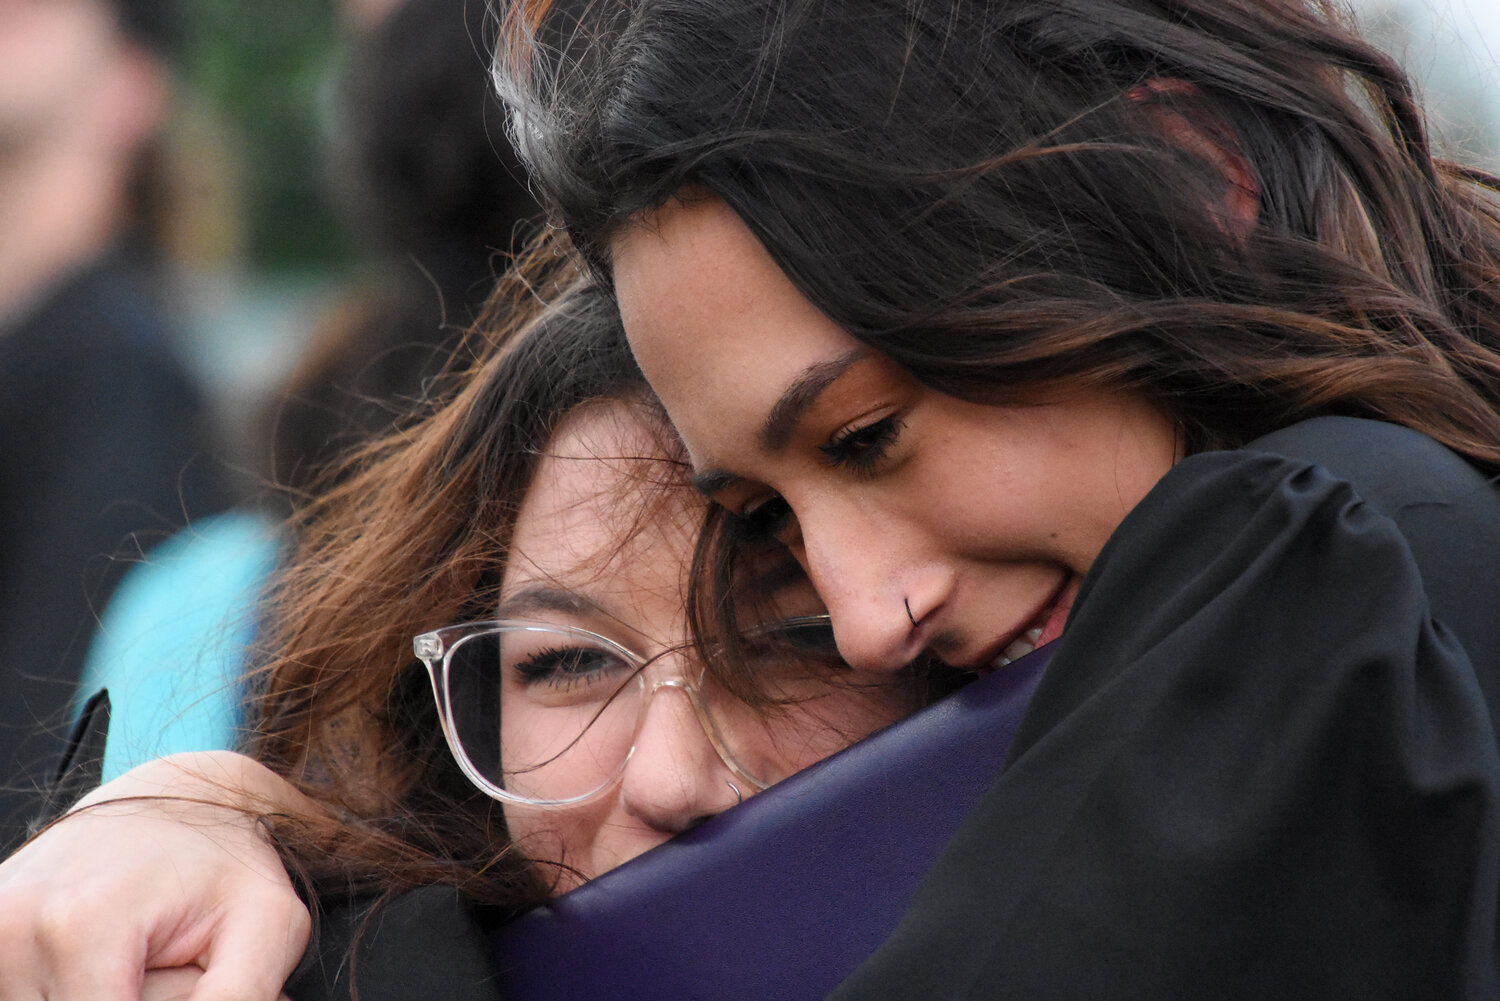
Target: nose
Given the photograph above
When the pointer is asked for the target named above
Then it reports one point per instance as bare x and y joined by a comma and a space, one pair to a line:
874, 583
675, 779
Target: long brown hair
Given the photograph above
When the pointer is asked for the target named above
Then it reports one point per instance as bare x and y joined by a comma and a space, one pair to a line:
1019, 190
417, 537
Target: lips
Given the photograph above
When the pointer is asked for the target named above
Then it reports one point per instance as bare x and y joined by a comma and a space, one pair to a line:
1046, 627
1057, 616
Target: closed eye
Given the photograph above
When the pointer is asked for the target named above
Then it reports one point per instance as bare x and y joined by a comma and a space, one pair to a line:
861, 448
767, 519
567, 668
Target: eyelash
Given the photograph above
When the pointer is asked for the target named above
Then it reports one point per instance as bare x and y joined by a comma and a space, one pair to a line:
567, 667
765, 520
860, 449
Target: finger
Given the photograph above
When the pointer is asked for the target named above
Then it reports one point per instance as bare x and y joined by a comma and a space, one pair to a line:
63, 946
174, 984
255, 950
78, 959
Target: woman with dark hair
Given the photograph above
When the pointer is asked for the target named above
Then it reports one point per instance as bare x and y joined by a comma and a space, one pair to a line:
564, 726
1156, 319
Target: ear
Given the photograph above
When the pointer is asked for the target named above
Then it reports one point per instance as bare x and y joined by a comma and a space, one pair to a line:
1174, 109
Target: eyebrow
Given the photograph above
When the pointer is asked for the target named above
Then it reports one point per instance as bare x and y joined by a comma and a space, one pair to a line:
781, 421
541, 598
804, 391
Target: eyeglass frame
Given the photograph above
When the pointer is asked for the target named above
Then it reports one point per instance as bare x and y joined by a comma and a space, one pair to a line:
435, 647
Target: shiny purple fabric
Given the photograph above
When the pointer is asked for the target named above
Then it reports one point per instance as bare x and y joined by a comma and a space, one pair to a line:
780, 898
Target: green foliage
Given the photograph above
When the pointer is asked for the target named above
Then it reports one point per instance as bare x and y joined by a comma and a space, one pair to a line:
264, 66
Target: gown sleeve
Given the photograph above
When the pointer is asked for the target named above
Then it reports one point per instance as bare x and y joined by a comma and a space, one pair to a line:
1262, 763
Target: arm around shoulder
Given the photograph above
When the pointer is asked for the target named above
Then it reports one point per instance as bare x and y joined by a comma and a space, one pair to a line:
166, 866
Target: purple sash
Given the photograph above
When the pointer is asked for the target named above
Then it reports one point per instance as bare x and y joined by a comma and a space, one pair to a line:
780, 898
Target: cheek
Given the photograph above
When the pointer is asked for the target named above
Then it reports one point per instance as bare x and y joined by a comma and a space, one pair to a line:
524, 828
557, 837
1049, 482
973, 499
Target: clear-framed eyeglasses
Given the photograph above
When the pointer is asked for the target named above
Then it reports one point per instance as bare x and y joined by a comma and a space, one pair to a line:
540, 714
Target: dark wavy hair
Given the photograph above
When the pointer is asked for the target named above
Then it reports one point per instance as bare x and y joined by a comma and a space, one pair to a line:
1000, 192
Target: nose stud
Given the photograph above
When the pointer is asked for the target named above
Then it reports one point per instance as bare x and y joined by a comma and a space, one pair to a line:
912, 618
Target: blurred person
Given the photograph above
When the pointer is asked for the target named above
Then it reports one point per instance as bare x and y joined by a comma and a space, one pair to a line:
428, 186
102, 433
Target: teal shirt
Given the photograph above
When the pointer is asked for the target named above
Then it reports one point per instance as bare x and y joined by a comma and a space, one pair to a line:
172, 645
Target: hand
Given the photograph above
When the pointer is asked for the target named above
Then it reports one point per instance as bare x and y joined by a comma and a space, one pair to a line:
174, 984
120, 887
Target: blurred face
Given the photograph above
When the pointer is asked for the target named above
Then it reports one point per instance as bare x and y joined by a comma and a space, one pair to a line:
366, 15
51, 56
600, 545
925, 522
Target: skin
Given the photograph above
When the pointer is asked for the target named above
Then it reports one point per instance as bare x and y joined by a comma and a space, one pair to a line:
568, 542
577, 561
924, 521
53, 52
188, 887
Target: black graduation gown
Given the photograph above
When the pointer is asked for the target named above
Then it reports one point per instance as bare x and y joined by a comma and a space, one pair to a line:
1263, 761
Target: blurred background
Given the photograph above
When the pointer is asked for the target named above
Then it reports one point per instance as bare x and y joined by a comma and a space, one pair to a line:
266, 253
1452, 47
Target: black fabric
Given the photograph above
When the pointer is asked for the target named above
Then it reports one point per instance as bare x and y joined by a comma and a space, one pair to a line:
82, 766
1263, 761
424, 945
103, 443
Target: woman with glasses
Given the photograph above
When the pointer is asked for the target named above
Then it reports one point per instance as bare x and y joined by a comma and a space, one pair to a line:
564, 725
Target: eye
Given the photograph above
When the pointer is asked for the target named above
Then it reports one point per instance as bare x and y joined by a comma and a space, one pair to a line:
766, 519
795, 649
860, 449
567, 668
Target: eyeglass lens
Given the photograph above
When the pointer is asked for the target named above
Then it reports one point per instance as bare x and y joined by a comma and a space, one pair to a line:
550, 714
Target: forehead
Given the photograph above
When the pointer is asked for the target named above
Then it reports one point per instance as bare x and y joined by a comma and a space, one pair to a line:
607, 512
718, 329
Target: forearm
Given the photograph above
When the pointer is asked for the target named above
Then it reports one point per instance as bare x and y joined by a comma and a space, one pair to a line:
192, 782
